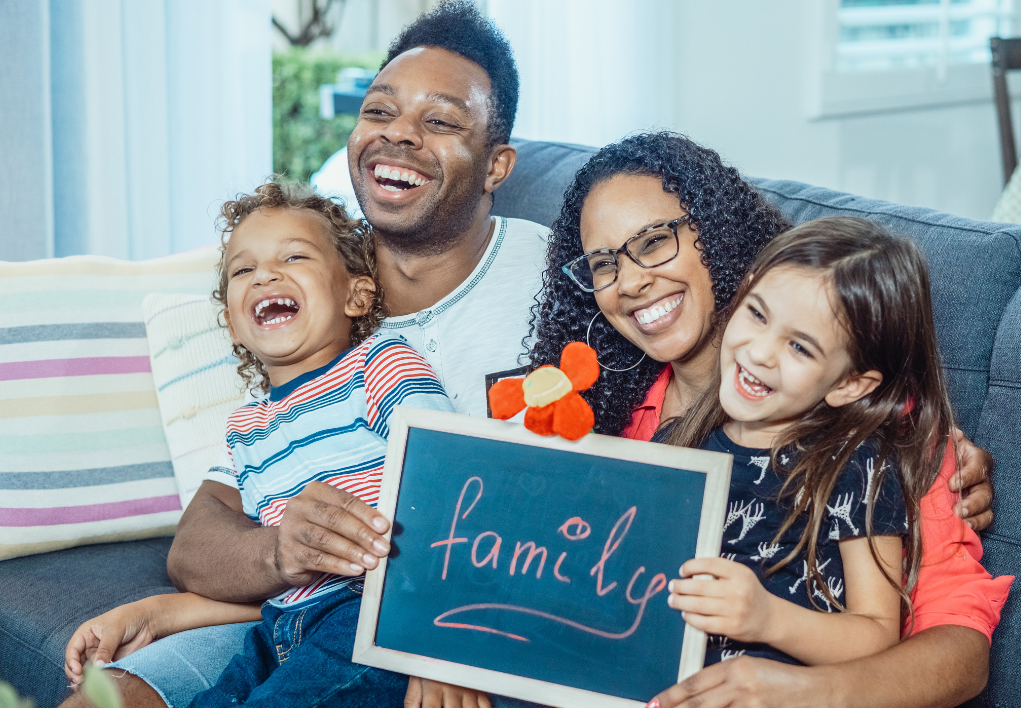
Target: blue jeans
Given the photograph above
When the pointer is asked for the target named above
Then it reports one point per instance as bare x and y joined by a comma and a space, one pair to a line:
302, 657
180, 666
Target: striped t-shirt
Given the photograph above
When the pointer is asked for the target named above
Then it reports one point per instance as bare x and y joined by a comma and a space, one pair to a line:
329, 425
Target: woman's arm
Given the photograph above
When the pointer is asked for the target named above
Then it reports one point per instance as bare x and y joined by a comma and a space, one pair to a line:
128, 628
735, 604
938, 668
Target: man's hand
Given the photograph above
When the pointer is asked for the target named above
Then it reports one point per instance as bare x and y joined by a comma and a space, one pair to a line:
973, 483
423, 693
327, 530
744, 682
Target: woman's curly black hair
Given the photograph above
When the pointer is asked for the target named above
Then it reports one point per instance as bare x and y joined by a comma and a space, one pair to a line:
351, 237
732, 221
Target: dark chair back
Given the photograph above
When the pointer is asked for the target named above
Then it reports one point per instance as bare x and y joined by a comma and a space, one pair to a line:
1006, 57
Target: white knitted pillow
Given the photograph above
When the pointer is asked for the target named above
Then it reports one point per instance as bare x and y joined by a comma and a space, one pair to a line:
197, 383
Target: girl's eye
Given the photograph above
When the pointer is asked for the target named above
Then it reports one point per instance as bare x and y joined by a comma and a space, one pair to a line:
295, 257
756, 314
801, 350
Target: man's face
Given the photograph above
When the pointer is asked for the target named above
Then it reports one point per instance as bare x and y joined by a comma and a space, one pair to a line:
418, 154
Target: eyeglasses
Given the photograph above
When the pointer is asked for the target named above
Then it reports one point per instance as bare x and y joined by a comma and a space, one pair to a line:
649, 248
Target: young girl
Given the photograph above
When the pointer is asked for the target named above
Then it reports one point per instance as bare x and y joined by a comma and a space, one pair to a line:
832, 401
301, 303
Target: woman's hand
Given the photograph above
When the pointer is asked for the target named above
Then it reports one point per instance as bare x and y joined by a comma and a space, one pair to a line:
973, 483
732, 602
423, 693
111, 636
745, 682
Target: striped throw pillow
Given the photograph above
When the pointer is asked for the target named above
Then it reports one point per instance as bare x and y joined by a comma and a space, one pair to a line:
83, 458
197, 382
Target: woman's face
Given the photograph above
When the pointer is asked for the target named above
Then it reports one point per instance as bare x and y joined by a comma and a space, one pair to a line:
666, 311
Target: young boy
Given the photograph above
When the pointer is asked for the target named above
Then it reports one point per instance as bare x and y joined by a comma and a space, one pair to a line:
296, 283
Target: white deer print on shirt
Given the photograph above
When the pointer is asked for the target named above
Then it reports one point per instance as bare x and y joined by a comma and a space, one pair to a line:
763, 464
728, 654
841, 511
750, 514
836, 587
804, 574
766, 551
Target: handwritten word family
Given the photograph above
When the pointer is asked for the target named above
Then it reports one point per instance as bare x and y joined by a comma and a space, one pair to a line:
487, 551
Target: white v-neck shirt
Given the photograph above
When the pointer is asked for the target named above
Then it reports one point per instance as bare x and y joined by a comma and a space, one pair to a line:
479, 328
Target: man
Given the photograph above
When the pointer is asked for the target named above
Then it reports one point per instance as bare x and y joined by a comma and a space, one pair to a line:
429, 149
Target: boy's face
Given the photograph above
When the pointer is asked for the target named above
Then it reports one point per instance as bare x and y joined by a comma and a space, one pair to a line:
289, 298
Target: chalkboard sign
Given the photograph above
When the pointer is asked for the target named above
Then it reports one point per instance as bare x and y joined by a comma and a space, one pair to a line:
536, 567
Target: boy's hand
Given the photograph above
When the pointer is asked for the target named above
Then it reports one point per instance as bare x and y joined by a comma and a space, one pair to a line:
423, 693
327, 530
109, 637
732, 603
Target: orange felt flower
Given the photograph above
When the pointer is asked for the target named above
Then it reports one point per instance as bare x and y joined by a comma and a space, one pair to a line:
551, 395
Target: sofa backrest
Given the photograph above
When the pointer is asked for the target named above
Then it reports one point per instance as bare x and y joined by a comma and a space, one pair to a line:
976, 273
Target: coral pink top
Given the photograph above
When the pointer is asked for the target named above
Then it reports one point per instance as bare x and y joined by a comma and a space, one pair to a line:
953, 588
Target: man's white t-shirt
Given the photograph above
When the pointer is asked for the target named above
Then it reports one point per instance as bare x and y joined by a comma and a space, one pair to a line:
480, 328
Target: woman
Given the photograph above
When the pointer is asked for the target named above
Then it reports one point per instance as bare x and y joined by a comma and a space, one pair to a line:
653, 239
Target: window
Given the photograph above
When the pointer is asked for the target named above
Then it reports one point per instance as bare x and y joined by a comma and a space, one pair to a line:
890, 54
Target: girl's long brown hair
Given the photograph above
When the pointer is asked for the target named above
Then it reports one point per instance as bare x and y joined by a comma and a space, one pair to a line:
881, 297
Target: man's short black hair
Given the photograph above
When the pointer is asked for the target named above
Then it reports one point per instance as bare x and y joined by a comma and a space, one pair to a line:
459, 27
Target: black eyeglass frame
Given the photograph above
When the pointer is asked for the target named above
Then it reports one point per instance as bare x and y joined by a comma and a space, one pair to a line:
613, 253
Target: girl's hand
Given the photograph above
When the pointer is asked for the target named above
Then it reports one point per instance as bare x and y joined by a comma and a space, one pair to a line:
423, 693
109, 637
732, 602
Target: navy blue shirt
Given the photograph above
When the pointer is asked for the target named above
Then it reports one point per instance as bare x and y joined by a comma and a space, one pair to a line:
755, 513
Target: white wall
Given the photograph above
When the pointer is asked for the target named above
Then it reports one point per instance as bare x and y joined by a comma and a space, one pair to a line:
733, 74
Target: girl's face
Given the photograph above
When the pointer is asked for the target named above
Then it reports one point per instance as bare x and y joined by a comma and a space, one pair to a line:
783, 352
666, 311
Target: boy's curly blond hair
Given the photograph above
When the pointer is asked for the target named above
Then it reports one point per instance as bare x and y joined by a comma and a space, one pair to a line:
351, 237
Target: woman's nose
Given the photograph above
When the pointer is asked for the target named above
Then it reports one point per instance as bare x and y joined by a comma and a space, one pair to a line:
632, 279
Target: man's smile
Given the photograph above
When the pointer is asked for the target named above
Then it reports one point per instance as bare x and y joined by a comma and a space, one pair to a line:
395, 178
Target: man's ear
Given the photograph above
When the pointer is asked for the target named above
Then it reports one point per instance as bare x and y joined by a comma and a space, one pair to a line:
501, 163
230, 327
854, 387
360, 291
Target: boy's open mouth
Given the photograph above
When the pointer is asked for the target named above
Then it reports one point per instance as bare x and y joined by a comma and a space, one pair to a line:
398, 179
275, 310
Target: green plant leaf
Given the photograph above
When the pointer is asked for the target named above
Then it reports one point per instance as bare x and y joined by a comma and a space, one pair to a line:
100, 689
9, 698
302, 140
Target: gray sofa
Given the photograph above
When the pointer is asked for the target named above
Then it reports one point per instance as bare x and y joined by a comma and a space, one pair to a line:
976, 269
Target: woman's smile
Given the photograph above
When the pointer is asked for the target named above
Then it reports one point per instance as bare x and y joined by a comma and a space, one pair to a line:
660, 314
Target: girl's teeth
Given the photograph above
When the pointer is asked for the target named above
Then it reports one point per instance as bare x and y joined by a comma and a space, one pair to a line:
752, 385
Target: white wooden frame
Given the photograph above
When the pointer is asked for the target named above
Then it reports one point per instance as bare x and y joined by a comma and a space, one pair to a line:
715, 466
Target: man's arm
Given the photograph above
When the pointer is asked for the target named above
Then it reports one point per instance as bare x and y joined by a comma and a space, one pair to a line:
940, 667
220, 553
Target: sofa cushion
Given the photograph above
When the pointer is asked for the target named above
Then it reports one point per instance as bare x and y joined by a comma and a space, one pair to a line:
965, 258
82, 453
47, 596
196, 379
